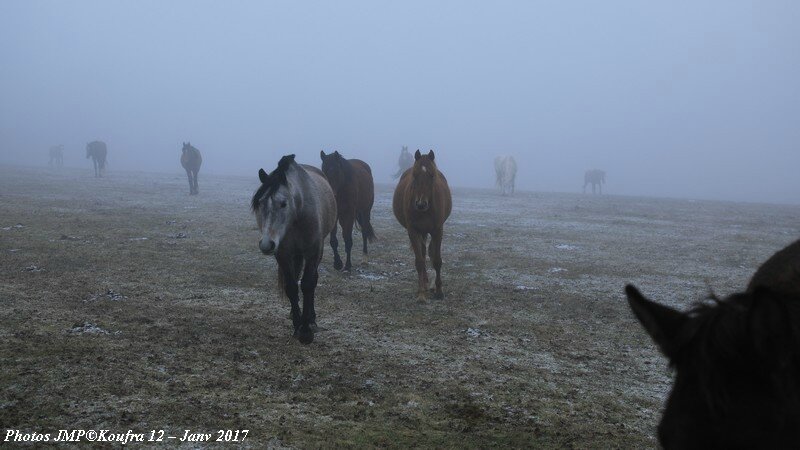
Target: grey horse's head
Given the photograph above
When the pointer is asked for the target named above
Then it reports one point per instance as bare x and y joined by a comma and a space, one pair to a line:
274, 205
186, 147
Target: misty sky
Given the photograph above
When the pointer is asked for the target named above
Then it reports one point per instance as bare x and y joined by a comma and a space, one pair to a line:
693, 99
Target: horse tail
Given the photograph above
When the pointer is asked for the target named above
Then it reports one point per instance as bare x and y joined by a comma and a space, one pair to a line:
363, 223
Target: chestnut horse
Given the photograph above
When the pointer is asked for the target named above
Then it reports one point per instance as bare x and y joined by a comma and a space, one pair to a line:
422, 203
351, 181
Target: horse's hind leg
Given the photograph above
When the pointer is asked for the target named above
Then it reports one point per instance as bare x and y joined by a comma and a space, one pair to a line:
347, 234
337, 260
436, 259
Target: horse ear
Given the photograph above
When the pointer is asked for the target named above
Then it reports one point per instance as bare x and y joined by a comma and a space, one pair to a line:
417, 155
662, 323
263, 176
322, 155
431, 155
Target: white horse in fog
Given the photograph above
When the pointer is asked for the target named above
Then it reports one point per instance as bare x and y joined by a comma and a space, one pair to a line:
505, 168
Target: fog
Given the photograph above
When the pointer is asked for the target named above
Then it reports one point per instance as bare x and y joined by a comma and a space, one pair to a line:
678, 99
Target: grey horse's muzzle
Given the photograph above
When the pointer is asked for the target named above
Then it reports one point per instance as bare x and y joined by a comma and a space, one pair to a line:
267, 247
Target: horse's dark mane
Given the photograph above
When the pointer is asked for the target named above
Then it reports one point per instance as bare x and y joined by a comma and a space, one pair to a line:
724, 338
275, 180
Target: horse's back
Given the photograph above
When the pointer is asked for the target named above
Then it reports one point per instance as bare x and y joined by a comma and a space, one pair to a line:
366, 185
446, 197
781, 272
323, 192
399, 202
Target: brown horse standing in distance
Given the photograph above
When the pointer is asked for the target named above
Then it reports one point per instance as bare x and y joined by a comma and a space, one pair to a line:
351, 181
422, 203
191, 162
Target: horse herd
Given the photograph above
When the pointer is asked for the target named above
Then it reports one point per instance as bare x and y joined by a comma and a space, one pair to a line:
505, 166
736, 360
297, 206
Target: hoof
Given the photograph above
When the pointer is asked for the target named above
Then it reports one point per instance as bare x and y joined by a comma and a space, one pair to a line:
437, 295
337, 264
305, 334
313, 326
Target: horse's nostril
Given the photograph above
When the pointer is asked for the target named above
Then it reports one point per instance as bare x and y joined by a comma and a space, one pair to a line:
266, 247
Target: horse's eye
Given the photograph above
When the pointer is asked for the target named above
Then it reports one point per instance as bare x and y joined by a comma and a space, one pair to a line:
283, 204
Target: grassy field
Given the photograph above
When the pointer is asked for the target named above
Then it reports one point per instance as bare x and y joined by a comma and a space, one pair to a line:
127, 304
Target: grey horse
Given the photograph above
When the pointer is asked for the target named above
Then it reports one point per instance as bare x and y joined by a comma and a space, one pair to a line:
596, 177
404, 162
56, 156
191, 160
505, 169
98, 151
295, 210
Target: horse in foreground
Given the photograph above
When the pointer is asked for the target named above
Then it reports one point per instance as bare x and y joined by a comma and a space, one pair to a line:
191, 160
594, 177
295, 210
351, 181
505, 169
737, 362
56, 156
403, 163
422, 203
98, 151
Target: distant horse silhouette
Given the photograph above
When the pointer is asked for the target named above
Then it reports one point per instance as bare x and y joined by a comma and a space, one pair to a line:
422, 203
737, 362
596, 178
404, 162
56, 156
505, 168
97, 151
351, 181
295, 210
191, 161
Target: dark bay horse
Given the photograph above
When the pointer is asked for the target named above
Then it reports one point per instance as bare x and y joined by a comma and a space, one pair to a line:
404, 162
295, 210
736, 361
56, 156
594, 177
97, 151
351, 181
191, 160
422, 203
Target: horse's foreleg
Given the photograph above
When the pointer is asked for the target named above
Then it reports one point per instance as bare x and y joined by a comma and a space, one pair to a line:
418, 245
337, 261
347, 234
436, 259
196, 186
287, 269
189, 177
308, 285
